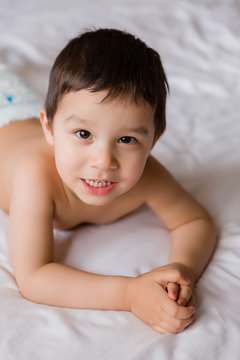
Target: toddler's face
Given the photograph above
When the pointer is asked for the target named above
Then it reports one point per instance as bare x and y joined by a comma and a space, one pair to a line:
101, 148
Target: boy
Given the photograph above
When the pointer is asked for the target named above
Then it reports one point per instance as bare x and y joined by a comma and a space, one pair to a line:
88, 160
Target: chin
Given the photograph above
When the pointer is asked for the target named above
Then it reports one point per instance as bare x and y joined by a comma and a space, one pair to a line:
96, 200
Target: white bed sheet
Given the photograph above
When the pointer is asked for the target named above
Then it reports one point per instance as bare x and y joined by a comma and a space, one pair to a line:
200, 48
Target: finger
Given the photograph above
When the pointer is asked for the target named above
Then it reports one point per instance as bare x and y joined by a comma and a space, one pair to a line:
170, 275
172, 309
181, 325
173, 290
192, 300
185, 294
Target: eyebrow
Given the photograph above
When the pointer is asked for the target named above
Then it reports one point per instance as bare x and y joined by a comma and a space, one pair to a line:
138, 130
76, 118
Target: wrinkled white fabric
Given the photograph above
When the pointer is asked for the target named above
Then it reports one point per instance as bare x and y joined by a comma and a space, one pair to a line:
17, 100
200, 49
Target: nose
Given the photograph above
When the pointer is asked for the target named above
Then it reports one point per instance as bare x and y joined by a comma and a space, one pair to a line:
103, 158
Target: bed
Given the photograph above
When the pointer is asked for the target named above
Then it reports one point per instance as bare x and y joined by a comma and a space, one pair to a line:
200, 48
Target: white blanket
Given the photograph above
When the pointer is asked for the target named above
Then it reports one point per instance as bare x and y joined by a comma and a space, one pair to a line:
200, 48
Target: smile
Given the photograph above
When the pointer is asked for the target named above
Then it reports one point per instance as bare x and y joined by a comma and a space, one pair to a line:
98, 187
98, 183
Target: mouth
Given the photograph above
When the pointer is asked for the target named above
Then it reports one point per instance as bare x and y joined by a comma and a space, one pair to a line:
98, 183
98, 187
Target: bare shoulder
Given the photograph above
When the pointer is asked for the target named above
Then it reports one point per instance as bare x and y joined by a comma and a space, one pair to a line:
32, 177
153, 166
33, 173
157, 181
155, 175
167, 198
38, 187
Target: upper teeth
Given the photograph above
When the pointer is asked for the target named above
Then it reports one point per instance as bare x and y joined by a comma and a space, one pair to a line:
96, 183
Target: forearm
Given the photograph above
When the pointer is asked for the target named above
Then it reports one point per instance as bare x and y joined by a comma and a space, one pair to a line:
59, 285
193, 245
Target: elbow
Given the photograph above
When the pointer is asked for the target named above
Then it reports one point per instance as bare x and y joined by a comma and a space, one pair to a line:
212, 226
211, 231
26, 294
30, 289
26, 290
33, 285
208, 222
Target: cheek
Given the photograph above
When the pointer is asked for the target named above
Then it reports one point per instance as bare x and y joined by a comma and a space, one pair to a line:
134, 168
66, 161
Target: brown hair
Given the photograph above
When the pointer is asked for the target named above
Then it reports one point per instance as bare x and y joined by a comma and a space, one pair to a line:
112, 60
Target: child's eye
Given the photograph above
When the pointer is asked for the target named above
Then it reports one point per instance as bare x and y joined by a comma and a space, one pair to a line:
127, 140
83, 134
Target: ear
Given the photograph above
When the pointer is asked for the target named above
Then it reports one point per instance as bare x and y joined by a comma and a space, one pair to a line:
46, 127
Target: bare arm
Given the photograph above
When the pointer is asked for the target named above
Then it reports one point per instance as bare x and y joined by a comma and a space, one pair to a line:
39, 278
42, 280
59, 285
192, 230
193, 245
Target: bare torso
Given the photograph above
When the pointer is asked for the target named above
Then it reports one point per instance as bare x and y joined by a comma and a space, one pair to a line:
25, 139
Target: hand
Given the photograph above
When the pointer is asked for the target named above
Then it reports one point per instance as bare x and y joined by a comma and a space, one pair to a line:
182, 294
150, 302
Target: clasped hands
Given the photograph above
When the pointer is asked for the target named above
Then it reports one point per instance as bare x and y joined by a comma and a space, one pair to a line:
163, 298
